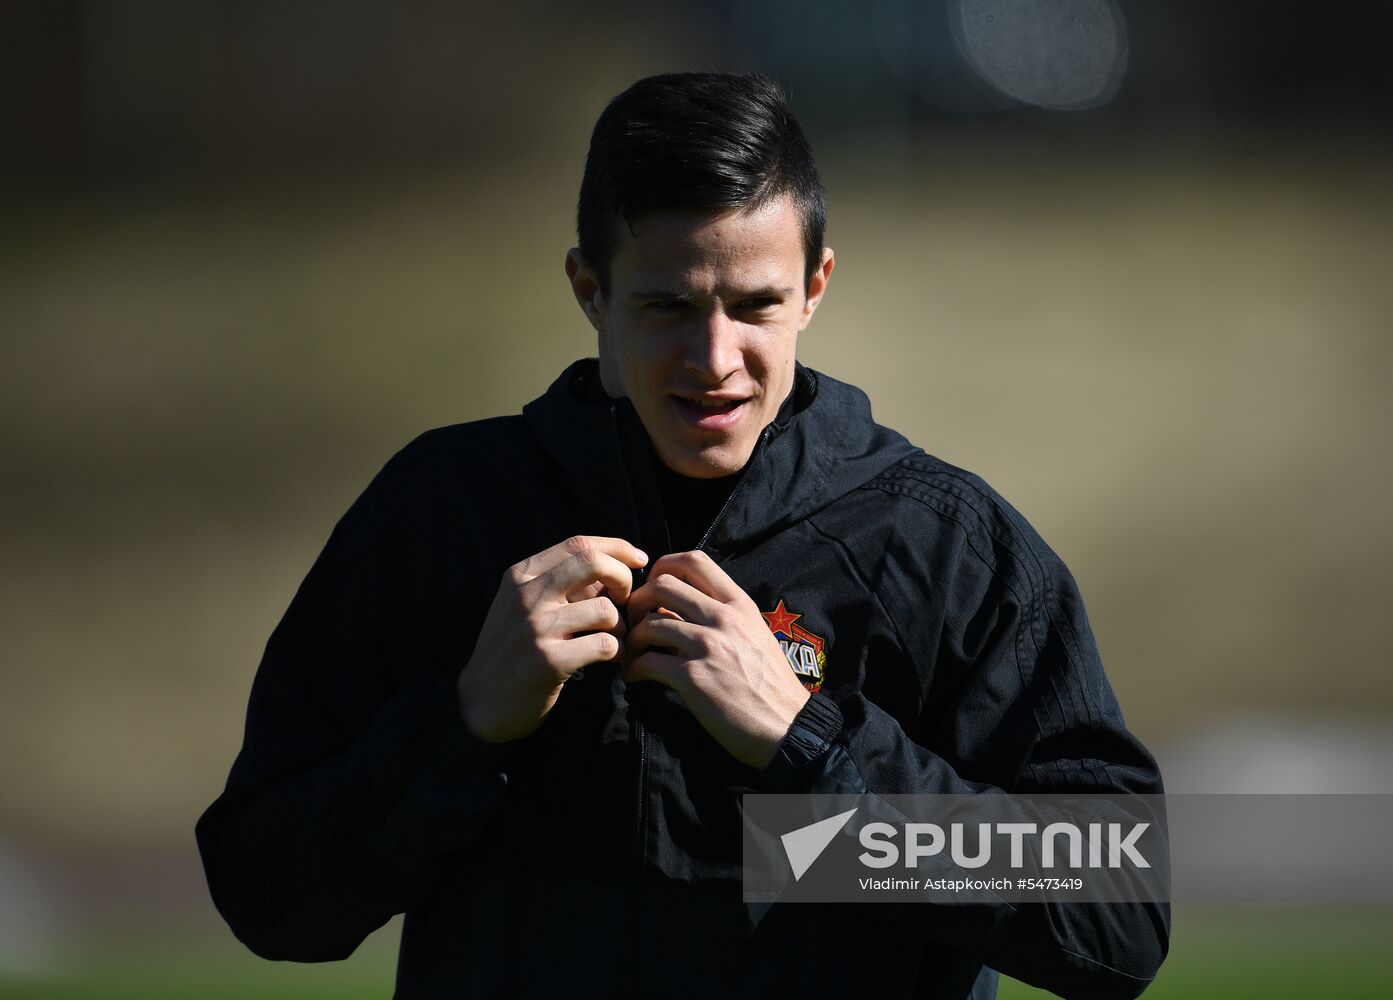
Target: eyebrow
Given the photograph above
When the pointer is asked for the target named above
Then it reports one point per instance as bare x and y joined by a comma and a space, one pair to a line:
663, 293
686, 296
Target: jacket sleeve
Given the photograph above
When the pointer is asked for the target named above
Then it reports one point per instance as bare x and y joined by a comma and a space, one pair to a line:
1032, 713
355, 776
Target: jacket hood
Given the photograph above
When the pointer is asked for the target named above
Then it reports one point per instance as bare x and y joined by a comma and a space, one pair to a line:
822, 445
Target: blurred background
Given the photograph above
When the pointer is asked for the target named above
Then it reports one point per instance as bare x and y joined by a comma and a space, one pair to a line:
1127, 261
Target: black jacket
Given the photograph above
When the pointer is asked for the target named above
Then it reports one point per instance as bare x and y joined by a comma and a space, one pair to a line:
601, 855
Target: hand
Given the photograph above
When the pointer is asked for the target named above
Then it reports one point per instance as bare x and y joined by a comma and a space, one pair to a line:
696, 631
535, 634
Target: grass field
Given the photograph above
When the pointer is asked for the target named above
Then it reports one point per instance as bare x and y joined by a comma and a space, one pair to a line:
1243, 953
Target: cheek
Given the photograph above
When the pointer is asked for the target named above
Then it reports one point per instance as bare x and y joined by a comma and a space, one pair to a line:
640, 362
774, 358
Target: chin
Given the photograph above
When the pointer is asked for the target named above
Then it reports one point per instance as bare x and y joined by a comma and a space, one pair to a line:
709, 464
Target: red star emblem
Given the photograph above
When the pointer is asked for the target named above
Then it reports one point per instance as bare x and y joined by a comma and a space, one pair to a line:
781, 619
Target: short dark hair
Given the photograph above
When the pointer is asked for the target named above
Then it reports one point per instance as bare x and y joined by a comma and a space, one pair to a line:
696, 141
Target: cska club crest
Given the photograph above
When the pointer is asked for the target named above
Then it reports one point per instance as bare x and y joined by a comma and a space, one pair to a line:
801, 648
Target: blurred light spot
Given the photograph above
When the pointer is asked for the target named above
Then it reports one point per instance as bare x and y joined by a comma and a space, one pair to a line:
1064, 55
1280, 755
920, 49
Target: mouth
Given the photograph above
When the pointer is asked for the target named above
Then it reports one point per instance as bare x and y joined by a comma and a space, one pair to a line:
710, 413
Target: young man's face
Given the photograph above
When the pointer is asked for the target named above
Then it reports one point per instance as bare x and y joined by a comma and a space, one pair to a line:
700, 324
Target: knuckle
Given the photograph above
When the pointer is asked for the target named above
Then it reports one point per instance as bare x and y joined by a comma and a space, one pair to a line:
577, 544
517, 574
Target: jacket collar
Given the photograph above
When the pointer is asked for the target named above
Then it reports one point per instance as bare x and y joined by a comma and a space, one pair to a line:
822, 445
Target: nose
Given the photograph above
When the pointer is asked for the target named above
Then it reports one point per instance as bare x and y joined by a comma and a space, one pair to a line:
713, 351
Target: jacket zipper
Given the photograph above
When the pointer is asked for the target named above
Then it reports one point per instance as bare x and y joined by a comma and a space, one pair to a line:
640, 736
637, 888
739, 483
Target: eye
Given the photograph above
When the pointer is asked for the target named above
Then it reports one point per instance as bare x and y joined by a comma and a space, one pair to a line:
762, 302
665, 306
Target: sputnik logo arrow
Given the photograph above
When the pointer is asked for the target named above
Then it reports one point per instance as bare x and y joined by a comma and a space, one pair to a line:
806, 844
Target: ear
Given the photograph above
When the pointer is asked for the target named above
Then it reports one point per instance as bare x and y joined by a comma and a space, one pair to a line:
586, 287
817, 287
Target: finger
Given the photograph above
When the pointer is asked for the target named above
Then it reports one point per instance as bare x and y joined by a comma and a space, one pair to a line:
598, 614
702, 572
667, 591
579, 570
535, 565
595, 589
569, 655
671, 635
653, 666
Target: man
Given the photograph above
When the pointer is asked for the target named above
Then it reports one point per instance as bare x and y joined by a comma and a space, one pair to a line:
521, 692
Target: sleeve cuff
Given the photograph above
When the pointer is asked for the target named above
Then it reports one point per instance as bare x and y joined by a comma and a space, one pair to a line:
458, 752
807, 742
